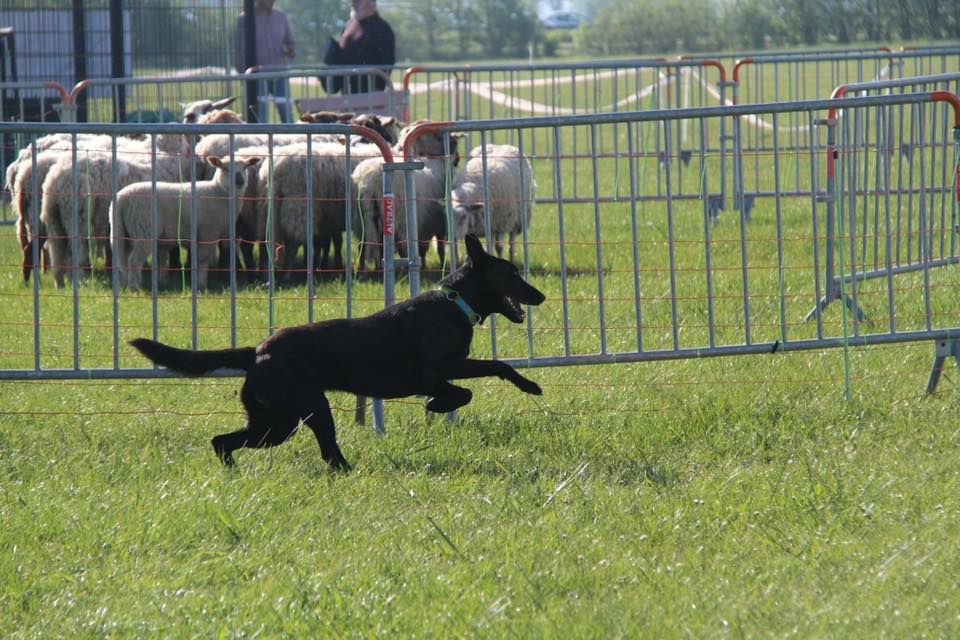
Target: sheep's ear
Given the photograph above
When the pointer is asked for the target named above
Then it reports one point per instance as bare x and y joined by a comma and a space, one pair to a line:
215, 161
253, 160
475, 249
223, 104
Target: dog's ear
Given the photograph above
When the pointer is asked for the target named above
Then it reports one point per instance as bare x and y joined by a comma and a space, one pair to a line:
474, 249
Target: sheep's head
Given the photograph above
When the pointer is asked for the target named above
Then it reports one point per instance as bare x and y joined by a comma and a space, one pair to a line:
431, 143
466, 207
193, 110
237, 171
383, 125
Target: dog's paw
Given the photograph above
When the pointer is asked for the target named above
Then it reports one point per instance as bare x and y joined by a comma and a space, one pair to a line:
529, 386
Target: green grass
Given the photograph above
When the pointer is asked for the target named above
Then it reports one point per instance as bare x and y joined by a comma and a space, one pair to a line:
735, 496
740, 496
699, 499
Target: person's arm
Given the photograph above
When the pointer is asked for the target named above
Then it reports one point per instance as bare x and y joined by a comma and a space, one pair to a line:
384, 53
388, 47
238, 46
289, 46
332, 84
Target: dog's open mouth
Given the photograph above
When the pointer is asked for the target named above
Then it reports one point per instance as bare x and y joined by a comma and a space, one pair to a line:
513, 310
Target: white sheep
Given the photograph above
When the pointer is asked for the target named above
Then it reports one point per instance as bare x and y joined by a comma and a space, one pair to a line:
131, 217
25, 190
286, 181
89, 185
285, 184
510, 185
430, 186
25, 177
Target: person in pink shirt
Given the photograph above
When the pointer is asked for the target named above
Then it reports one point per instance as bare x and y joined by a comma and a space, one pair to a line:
275, 47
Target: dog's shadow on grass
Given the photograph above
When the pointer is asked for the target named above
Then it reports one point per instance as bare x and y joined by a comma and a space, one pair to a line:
623, 471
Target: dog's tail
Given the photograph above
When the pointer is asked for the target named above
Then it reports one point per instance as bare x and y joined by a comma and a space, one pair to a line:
195, 363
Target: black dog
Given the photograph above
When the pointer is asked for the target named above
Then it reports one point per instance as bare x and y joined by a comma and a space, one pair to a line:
411, 348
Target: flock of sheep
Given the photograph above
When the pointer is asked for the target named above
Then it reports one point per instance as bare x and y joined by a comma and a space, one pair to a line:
117, 196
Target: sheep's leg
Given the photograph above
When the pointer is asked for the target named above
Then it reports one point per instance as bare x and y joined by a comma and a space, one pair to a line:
513, 245
360, 411
26, 249
246, 253
206, 257
321, 253
337, 240
422, 249
136, 257
57, 251
441, 251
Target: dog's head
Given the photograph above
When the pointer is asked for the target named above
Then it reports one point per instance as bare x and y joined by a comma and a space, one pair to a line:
495, 285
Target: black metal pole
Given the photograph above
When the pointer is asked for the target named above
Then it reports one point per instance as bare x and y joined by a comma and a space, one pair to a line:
117, 54
250, 56
80, 55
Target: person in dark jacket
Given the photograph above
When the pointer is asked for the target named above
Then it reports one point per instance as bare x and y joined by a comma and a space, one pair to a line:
367, 39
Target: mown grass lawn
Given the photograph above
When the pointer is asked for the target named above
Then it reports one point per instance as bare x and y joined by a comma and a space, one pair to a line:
718, 497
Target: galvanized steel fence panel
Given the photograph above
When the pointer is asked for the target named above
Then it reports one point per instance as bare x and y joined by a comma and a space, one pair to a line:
637, 280
628, 278
81, 331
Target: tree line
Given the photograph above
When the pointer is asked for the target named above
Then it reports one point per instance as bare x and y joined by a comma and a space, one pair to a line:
665, 26
171, 34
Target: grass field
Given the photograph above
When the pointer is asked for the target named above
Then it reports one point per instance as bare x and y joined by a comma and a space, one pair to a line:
794, 494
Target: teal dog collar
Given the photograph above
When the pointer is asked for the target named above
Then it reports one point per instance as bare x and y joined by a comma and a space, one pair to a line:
454, 296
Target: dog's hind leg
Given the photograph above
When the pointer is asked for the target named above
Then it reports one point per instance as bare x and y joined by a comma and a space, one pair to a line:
448, 397
265, 428
254, 436
320, 421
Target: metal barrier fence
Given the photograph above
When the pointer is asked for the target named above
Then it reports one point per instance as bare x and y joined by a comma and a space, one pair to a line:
918, 231
628, 280
80, 331
456, 92
640, 280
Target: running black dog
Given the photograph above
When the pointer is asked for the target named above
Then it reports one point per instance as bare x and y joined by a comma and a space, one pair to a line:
412, 348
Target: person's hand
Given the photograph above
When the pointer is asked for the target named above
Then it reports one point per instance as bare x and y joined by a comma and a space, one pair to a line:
350, 32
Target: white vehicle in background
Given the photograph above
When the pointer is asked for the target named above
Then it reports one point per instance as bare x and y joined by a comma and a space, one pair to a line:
561, 20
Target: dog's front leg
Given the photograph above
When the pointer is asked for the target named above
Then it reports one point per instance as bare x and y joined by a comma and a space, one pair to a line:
448, 397
469, 368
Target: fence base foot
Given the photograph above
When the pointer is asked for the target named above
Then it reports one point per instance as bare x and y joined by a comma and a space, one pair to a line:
379, 426
945, 348
830, 297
